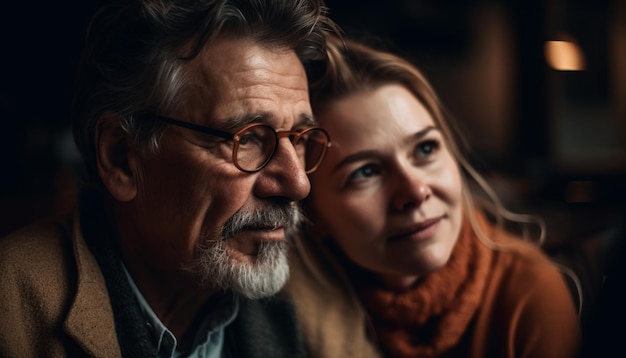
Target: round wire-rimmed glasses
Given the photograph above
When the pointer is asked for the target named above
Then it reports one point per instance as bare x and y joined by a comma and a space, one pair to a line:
255, 144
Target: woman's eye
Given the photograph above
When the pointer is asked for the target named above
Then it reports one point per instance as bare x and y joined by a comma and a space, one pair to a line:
364, 172
426, 148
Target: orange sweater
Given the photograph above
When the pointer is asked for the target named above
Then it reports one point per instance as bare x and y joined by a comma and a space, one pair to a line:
504, 303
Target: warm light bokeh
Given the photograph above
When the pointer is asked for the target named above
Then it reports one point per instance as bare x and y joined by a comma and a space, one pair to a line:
564, 56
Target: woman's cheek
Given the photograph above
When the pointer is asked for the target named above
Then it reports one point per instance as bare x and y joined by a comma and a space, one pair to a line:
447, 183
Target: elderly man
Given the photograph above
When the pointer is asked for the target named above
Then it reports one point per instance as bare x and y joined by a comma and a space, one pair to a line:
194, 123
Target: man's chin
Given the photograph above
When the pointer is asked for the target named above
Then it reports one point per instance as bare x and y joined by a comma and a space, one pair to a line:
256, 275
243, 258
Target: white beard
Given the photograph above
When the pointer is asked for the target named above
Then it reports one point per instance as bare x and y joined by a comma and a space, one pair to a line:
264, 277
267, 273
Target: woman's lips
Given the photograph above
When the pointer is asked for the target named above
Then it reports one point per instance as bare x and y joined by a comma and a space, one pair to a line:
421, 231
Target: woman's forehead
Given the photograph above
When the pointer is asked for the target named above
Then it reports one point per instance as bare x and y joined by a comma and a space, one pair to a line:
388, 110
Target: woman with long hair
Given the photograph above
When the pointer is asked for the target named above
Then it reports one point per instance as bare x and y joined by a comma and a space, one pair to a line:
406, 252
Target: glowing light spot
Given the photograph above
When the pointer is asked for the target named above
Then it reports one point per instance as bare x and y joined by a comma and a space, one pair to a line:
564, 56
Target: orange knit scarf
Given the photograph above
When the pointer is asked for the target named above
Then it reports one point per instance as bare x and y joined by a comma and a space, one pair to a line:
431, 318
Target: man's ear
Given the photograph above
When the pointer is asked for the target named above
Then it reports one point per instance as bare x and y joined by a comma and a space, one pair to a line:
113, 148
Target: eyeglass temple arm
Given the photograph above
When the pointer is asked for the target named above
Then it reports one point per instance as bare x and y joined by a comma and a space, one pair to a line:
197, 128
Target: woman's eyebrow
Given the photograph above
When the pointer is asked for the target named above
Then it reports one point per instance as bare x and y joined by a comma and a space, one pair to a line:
355, 158
422, 133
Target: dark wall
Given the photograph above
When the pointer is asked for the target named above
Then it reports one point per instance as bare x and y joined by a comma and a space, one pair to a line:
40, 44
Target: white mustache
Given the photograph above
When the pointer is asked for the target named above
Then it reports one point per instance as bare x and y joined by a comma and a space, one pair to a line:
268, 218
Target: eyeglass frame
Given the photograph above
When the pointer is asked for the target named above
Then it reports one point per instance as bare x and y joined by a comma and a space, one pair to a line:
292, 135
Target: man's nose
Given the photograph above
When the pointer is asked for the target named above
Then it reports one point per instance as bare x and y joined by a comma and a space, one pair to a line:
284, 175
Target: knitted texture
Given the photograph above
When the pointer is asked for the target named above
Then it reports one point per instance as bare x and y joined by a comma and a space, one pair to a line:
431, 317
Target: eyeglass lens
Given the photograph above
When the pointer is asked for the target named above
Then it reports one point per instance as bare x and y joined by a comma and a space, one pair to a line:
256, 146
311, 148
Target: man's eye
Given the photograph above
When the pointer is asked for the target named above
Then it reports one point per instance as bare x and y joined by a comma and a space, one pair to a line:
250, 138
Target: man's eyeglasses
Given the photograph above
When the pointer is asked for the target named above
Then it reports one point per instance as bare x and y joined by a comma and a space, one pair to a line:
255, 144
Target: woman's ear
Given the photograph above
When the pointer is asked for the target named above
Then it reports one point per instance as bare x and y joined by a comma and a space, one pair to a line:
113, 148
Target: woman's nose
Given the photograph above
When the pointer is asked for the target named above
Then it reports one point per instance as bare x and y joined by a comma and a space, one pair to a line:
411, 192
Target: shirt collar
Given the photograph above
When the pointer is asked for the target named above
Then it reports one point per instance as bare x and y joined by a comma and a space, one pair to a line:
221, 310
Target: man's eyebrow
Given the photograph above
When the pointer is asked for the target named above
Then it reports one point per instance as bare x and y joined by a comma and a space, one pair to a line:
307, 120
238, 121
235, 122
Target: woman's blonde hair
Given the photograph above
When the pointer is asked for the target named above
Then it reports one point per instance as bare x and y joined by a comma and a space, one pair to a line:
354, 67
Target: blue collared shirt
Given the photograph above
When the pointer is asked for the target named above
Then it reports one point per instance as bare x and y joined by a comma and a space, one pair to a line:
209, 339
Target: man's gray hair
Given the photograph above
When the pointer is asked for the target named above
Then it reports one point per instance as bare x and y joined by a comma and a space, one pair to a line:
135, 52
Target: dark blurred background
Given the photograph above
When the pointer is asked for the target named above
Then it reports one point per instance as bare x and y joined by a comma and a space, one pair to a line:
40, 46
537, 87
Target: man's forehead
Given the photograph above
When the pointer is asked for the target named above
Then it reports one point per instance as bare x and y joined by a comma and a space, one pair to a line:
236, 79
228, 59
244, 51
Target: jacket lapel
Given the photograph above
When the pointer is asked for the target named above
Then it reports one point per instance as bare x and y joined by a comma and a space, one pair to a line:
90, 319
